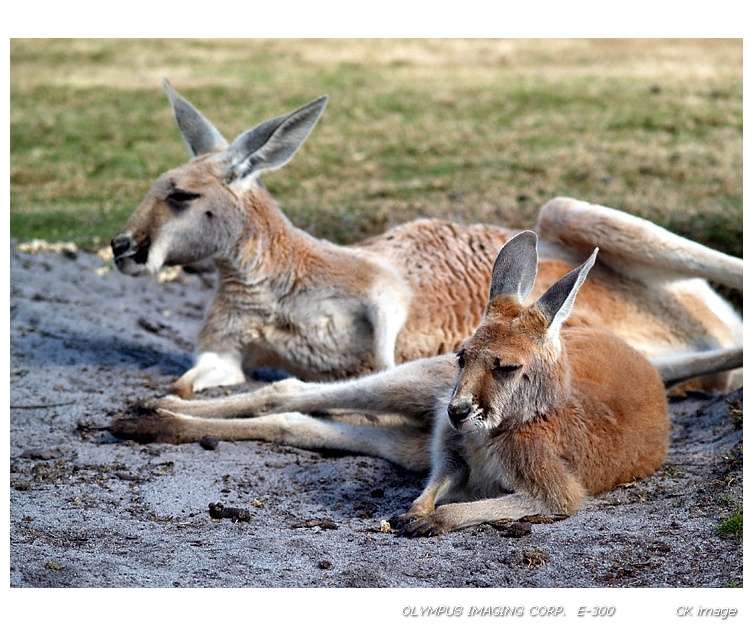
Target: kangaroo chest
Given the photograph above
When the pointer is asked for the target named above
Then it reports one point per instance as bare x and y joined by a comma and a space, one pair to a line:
325, 337
490, 473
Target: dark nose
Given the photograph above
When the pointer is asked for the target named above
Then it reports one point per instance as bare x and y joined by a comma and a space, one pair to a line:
458, 409
120, 244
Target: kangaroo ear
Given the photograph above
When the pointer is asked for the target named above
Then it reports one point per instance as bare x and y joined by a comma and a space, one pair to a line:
198, 132
273, 143
514, 270
557, 302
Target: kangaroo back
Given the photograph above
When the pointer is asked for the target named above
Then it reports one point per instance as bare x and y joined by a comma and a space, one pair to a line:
617, 423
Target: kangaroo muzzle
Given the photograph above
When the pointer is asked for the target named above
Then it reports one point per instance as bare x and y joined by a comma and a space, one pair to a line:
130, 258
459, 409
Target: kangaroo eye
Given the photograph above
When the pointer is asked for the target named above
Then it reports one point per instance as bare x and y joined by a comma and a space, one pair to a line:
503, 369
461, 359
179, 199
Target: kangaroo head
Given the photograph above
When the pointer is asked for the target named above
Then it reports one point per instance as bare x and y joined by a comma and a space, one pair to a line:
512, 369
200, 210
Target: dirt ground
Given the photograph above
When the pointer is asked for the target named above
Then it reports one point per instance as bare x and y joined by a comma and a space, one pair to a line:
87, 510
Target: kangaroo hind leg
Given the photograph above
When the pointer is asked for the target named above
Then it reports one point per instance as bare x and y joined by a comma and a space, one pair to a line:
408, 447
410, 389
633, 246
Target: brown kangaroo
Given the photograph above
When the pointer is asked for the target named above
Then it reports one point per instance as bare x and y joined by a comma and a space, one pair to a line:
540, 417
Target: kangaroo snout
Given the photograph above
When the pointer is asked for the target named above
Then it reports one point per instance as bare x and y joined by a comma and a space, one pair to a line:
130, 256
121, 244
459, 409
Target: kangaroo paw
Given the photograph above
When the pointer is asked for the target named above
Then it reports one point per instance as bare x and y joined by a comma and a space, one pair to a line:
145, 426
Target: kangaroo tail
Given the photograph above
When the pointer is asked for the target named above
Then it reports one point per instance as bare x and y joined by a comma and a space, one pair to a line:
678, 368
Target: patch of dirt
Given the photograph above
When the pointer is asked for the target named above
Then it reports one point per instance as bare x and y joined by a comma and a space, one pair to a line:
87, 510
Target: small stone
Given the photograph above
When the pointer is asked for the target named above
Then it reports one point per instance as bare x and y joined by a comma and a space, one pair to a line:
209, 443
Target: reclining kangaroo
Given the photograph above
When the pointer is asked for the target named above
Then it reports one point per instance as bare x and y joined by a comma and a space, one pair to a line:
540, 416
324, 312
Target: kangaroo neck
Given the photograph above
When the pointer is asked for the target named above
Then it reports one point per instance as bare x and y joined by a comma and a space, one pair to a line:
271, 253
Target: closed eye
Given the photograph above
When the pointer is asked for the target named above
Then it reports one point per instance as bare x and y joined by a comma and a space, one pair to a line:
179, 198
461, 359
503, 369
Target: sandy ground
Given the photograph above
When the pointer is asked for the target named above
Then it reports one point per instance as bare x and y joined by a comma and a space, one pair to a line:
87, 510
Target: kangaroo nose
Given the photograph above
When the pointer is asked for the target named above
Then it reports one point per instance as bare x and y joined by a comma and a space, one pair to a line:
458, 410
120, 244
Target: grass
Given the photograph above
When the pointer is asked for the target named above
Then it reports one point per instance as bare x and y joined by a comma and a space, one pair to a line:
471, 130
732, 526
736, 413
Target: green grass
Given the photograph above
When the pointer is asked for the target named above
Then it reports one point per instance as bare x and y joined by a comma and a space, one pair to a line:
732, 526
471, 130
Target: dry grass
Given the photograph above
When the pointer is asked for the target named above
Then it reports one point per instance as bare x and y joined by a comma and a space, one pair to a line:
136, 63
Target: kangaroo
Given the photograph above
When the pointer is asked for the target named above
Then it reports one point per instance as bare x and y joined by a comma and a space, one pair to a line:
324, 312
540, 417
530, 417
